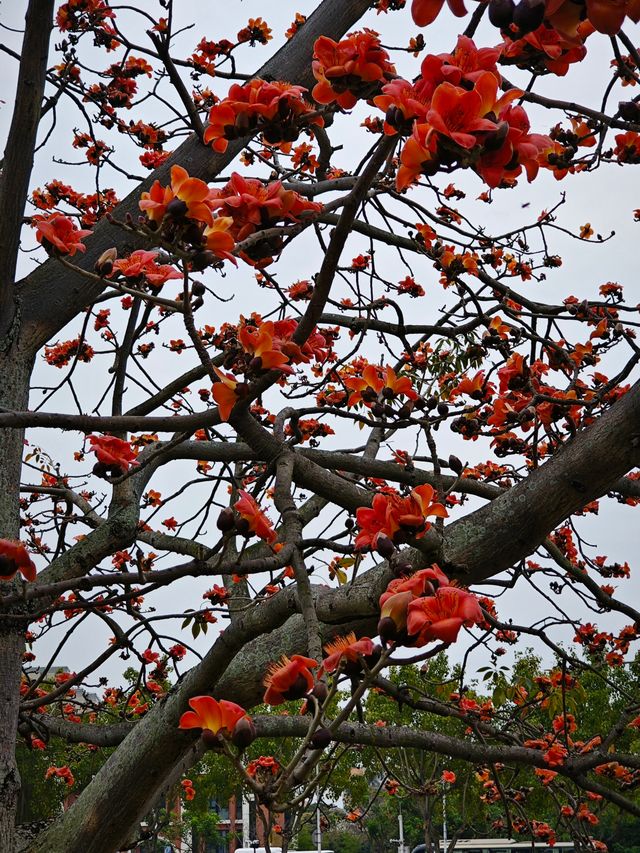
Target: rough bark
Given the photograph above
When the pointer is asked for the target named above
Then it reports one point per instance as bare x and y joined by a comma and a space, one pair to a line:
19, 152
13, 392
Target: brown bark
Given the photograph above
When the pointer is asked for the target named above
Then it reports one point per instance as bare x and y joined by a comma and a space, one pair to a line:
19, 152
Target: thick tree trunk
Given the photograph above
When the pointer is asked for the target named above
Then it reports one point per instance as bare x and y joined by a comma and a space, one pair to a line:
13, 394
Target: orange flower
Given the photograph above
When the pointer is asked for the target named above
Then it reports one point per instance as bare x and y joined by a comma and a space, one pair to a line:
258, 341
57, 232
424, 12
114, 453
290, 679
606, 16
212, 715
417, 157
348, 649
374, 382
440, 616
218, 238
424, 582
476, 388
448, 776
456, 113
192, 192
15, 558
140, 263
258, 522
403, 103
225, 393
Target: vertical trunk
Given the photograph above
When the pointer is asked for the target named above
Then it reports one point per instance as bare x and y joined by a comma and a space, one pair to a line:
14, 393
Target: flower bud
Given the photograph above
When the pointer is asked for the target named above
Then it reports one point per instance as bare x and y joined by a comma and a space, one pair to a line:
104, 264
177, 209
226, 520
455, 464
501, 13
244, 733
384, 546
321, 738
528, 15
210, 739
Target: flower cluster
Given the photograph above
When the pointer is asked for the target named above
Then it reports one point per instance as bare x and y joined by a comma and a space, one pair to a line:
277, 110
395, 518
454, 115
59, 234
263, 345
425, 607
349, 69
253, 206
183, 213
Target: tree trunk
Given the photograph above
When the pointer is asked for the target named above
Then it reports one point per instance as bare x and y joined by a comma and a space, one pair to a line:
14, 394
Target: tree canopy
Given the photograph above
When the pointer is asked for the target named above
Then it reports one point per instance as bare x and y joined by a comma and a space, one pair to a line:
319, 396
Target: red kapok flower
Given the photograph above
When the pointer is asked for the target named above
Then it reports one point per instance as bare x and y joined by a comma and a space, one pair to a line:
58, 232
258, 522
192, 192
440, 616
290, 679
348, 649
212, 715
14, 558
113, 452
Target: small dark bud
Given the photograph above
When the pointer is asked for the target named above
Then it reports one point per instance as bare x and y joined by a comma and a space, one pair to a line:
244, 733
8, 567
320, 691
456, 465
528, 15
226, 520
387, 630
501, 13
443, 409
385, 547
349, 524
100, 469
198, 288
104, 264
202, 260
242, 526
377, 410
177, 209
321, 738
210, 739
388, 393
629, 111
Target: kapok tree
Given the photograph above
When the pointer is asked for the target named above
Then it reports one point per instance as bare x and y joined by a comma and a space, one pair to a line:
332, 479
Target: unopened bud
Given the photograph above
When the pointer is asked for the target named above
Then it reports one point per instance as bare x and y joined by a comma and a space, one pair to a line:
104, 264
